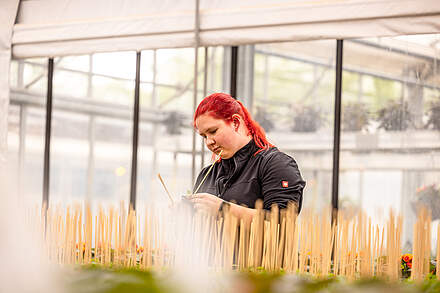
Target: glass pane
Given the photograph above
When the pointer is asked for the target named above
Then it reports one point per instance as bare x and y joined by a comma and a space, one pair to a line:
35, 75
175, 73
75, 63
293, 101
69, 156
32, 180
215, 70
112, 160
113, 91
166, 103
92, 128
25, 156
390, 129
12, 156
68, 81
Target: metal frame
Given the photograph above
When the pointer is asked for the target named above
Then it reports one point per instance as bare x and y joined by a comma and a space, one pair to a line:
91, 135
46, 170
205, 91
133, 183
21, 149
337, 128
22, 133
349, 69
95, 74
195, 84
234, 68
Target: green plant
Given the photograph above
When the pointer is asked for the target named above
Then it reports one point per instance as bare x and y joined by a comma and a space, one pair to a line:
263, 118
355, 116
395, 116
102, 279
97, 278
307, 118
173, 123
434, 115
428, 196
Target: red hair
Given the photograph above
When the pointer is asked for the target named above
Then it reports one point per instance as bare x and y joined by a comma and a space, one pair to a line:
223, 106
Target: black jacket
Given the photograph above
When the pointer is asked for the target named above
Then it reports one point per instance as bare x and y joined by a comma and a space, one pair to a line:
270, 175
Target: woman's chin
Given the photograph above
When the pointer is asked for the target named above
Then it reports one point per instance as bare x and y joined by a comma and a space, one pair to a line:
225, 155
222, 153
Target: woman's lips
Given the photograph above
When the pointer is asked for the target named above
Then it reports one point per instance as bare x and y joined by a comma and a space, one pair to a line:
216, 150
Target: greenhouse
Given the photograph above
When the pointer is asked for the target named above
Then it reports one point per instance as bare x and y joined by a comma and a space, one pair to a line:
100, 145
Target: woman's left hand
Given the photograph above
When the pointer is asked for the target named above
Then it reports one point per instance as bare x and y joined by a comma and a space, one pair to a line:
206, 201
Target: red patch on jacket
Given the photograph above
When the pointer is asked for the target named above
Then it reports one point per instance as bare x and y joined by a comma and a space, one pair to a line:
285, 184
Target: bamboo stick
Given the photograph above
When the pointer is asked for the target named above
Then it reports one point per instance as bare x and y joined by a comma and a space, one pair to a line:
273, 240
209, 171
166, 189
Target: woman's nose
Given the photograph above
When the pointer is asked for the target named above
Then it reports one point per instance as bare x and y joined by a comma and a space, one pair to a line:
209, 141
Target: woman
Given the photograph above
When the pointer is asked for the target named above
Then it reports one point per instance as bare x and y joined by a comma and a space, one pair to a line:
250, 167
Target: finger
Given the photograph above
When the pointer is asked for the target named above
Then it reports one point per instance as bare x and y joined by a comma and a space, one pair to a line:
199, 200
203, 194
199, 206
198, 195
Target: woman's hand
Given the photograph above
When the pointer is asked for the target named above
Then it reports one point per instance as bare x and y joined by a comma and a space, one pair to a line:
206, 201
211, 204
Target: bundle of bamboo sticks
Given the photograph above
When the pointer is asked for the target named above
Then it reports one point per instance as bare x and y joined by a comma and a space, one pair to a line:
351, 246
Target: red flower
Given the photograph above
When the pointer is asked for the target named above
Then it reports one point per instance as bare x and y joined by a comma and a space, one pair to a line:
407, 257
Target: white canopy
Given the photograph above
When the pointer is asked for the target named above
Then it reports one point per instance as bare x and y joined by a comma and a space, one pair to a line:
66, 27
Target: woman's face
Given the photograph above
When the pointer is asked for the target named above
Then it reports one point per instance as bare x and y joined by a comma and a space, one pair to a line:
218, 135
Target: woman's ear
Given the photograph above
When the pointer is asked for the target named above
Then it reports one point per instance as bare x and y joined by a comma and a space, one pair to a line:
236, 121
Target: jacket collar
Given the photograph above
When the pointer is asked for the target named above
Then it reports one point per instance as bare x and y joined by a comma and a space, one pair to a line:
242, 154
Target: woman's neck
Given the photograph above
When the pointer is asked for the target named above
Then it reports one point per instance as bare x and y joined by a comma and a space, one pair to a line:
245, 141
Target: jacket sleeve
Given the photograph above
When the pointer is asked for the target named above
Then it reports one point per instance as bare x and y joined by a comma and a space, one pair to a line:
281, 181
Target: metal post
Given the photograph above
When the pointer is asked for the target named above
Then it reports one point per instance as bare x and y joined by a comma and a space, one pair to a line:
250, 70
361, 88
135, 134
245, 76
337, 129
212, 69
20, 74
47, 134
234, 62
21, 150
205, 92
91, 134
154, 125
196, 64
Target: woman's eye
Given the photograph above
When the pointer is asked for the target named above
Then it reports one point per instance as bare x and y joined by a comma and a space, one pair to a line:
213, 131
